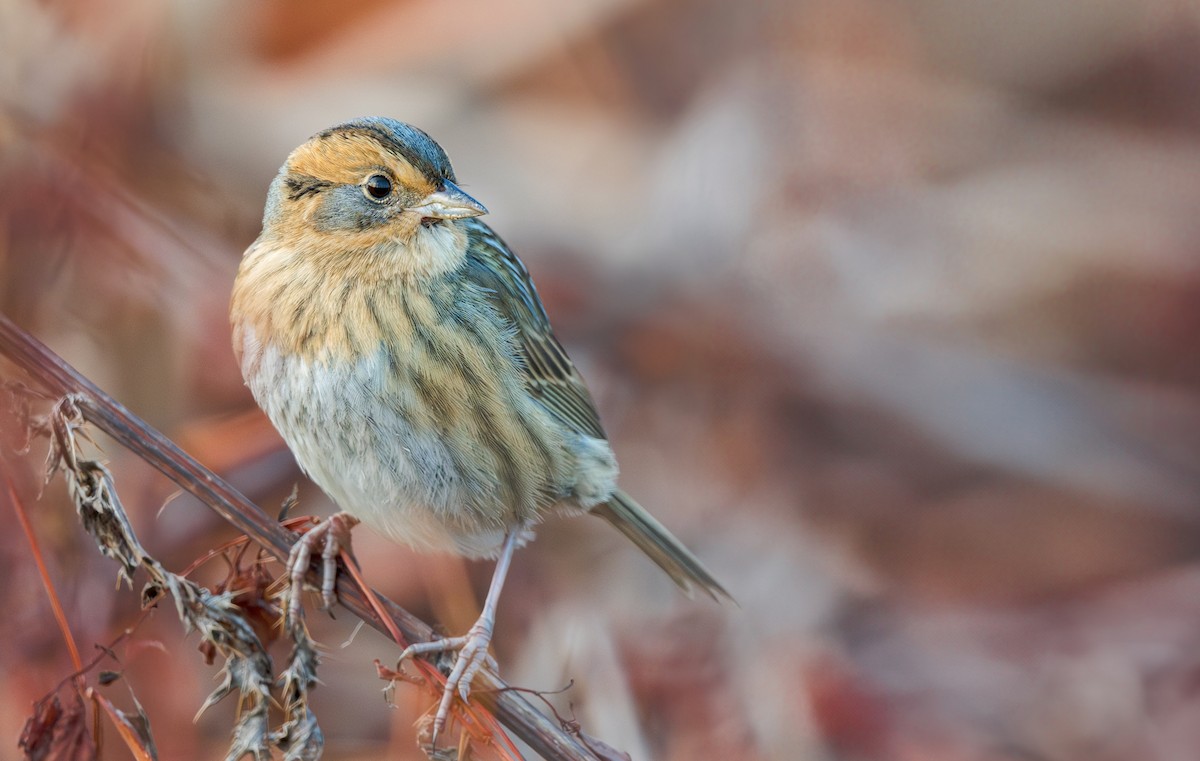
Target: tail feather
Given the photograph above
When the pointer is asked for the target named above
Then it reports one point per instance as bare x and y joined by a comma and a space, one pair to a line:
652, 538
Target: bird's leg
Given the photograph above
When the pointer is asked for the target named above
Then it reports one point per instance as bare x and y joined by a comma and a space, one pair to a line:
473, 647
331, 536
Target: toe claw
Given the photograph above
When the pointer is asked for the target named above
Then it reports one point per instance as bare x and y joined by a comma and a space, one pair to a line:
472, 656
477, 663
330, 537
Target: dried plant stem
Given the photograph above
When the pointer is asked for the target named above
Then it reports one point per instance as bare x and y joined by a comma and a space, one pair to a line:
129, 735
57, 379
55, 605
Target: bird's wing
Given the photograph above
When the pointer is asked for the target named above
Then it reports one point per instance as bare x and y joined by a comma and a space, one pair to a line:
550, 375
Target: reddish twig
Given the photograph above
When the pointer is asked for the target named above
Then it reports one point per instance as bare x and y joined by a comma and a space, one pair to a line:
55, 605
138, 742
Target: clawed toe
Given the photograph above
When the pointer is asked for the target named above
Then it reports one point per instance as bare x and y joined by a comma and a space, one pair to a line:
329, 537
472, 656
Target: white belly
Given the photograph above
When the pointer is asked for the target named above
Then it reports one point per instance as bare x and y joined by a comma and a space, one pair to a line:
367, 458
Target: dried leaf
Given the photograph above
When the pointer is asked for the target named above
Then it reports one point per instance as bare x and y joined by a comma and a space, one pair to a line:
108, 677
55, 734
220, 621
134, 730
39, 727
250, 736
249, 588
90, 485
300, 737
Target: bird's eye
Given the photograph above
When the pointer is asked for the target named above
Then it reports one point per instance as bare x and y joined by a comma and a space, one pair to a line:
378, 187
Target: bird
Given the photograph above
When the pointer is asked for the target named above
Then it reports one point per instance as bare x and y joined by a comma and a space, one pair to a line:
401, 350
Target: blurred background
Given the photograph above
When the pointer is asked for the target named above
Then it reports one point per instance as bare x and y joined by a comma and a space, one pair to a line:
890, 308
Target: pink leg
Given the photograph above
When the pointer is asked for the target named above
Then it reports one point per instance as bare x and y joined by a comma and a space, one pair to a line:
473, 647
331, 536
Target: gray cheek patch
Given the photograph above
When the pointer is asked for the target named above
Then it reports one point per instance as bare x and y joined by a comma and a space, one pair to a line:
345, 208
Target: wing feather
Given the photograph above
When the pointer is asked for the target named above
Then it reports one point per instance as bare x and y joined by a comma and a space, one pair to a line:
550, 375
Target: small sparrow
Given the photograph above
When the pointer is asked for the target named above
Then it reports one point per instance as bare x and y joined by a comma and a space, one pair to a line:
402, 351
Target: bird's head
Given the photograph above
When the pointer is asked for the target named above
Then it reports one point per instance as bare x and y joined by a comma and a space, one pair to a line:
367, 184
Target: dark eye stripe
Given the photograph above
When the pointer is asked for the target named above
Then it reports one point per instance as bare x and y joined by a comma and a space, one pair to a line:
299, 186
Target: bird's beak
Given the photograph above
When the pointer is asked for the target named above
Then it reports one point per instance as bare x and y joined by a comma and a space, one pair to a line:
449, 203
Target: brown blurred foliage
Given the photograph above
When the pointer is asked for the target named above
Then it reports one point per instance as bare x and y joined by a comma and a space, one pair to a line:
890, 309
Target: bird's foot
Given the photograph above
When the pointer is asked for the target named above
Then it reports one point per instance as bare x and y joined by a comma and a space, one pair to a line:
329, 537
472, 656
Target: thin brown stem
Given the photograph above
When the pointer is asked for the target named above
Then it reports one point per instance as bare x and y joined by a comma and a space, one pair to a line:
60, 616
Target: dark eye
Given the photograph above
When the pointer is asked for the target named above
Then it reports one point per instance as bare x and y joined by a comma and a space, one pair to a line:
378, 187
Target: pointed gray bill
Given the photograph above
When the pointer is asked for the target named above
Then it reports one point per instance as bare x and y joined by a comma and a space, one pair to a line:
449, 203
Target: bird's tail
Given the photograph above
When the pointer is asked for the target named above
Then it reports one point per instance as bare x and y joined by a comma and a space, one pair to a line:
652, 538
